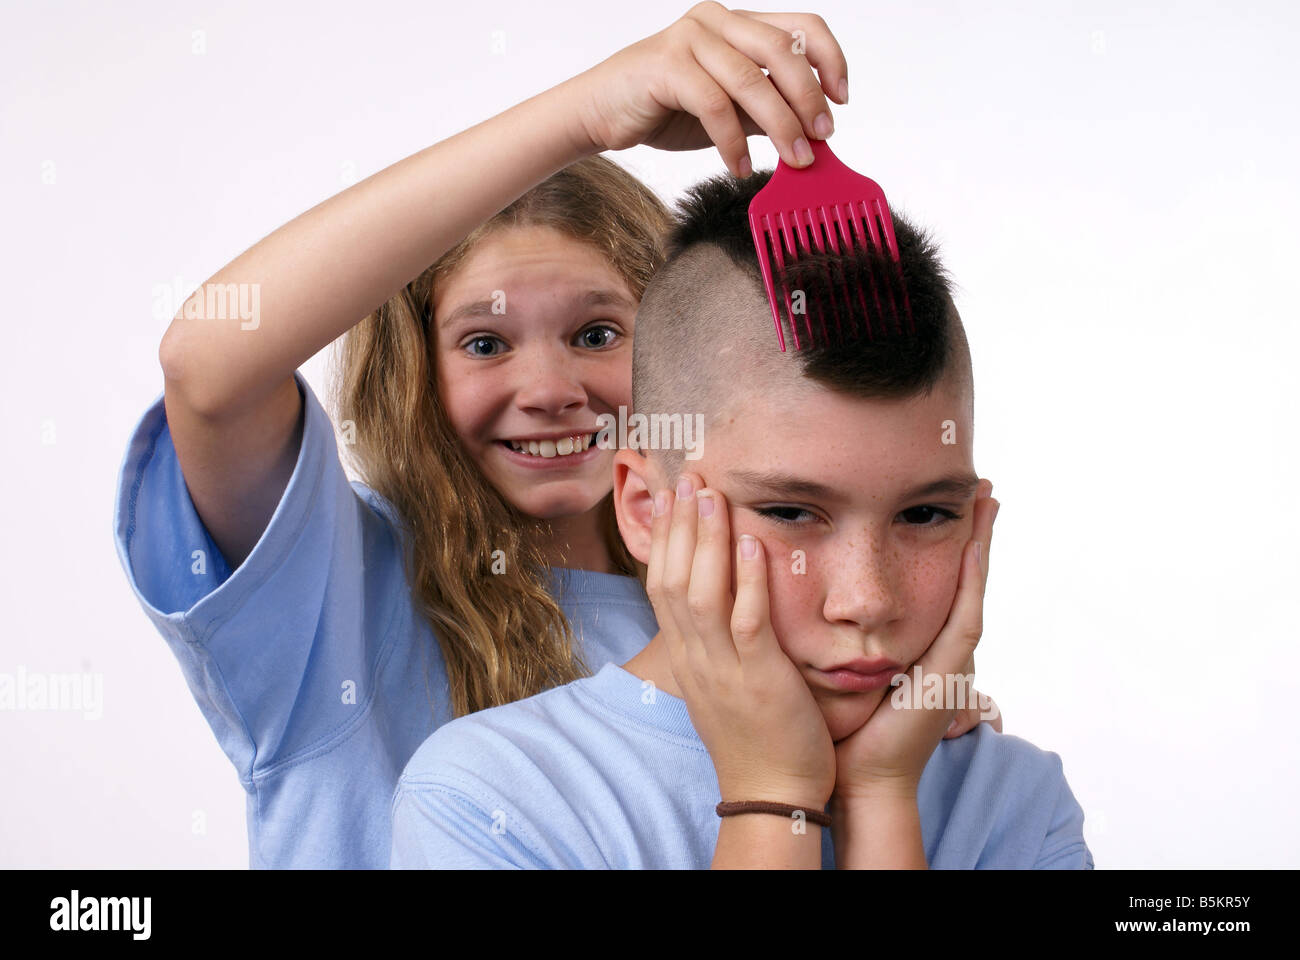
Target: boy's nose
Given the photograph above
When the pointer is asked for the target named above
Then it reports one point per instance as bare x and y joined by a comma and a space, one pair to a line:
861, 586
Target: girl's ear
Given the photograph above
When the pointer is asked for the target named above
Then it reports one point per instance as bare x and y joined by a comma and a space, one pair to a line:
636, 478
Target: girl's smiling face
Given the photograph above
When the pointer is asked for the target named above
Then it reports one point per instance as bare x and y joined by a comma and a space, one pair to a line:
866, 566
533, 341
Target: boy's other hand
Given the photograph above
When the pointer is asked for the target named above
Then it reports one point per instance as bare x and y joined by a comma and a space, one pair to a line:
764, 731
885, 757
983, 710
701, 81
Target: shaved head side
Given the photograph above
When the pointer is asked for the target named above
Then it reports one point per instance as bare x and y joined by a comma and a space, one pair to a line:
704, 340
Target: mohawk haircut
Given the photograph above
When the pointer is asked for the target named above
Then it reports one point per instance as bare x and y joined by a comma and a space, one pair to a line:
705, 340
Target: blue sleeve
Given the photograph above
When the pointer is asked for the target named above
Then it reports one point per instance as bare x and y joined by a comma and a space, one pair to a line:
269, 649
439, 827
1063, 846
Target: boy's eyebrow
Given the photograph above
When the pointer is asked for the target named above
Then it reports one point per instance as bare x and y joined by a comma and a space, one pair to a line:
956, 485
959, 486
786, 484
592, 298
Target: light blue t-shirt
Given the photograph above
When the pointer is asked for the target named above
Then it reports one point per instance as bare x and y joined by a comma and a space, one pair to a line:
607, 772
309, 661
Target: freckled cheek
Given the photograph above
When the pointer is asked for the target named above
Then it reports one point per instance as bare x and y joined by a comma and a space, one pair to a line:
930, 578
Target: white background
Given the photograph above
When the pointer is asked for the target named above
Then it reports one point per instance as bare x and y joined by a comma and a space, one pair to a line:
1114, 187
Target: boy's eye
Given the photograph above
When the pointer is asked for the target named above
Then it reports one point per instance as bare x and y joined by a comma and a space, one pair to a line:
598, 336
925, 516
913, 517
792, 516
486, 343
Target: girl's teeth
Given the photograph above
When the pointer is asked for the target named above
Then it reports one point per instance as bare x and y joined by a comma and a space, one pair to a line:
553, 448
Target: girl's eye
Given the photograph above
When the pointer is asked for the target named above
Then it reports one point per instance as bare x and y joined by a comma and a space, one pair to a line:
791, 516
925, 516
473, 346
598, 337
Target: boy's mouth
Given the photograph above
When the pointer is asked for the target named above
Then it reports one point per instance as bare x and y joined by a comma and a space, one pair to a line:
852, 682
860, 675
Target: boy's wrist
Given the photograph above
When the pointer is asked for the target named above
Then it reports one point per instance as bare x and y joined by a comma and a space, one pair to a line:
767, 841
881, 832
799, 794
882, 791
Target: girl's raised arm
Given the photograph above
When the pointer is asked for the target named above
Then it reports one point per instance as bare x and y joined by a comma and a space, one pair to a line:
232, 405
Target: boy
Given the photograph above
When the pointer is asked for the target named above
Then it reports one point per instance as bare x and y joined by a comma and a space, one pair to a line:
844, 472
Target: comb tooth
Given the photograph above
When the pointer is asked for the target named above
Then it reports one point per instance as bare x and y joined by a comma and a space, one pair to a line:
787, 244
844, 243
842, 217
799, 242
834, 283
817, 225
765, 256
812, 305
887, 228
862, 220
879, 216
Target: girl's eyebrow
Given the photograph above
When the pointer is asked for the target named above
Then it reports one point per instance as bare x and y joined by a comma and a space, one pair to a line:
592, 298
960, 486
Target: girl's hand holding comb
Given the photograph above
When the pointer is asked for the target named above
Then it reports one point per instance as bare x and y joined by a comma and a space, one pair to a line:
701, 81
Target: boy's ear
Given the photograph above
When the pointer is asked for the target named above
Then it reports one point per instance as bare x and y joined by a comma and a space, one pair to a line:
636, 480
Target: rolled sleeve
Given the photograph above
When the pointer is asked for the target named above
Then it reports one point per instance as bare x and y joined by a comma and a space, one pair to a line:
268, 648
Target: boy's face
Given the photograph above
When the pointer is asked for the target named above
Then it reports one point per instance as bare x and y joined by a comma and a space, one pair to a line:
866, 568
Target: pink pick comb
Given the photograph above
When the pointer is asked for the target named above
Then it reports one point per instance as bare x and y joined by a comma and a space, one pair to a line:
825, 206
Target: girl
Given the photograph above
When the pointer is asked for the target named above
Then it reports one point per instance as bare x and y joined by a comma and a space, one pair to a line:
325, 627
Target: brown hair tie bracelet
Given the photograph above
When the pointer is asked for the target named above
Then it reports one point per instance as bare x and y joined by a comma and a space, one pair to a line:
731, 807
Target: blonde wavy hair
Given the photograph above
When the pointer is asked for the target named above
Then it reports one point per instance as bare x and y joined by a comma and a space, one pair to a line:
503, 636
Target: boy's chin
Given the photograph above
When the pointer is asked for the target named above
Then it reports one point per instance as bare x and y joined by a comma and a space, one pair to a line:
845, 715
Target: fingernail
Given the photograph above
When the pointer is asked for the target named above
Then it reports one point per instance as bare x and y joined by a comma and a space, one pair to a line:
661, 503
844, 89
748, 546
704, 501
803, 152
746, 167
823, 126
996, 507
952, 726
979, 552
683, 488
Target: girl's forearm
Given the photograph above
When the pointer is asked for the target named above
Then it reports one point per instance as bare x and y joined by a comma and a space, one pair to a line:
322, 272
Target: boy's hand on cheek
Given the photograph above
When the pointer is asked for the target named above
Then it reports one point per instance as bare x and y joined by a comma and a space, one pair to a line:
764, 731
885, 757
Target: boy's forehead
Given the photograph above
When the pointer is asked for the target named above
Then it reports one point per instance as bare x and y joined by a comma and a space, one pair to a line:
813, 437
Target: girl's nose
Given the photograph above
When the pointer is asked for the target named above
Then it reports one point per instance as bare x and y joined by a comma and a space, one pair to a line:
549, 386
